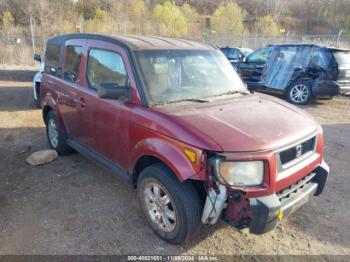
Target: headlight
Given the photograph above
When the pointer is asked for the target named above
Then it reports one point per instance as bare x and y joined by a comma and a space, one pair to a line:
245, 173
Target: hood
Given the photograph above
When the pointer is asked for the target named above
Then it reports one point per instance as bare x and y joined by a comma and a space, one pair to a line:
246, 123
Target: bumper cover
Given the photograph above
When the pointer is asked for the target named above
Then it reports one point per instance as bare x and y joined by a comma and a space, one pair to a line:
267, 209
345, 90
325, 88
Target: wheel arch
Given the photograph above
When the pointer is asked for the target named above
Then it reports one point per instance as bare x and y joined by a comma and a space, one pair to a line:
142, 163
155, 150
50, 105
305, 79
46, 110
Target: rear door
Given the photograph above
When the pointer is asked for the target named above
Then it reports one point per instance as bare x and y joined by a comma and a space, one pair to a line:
253, 70
69, 100
52, 71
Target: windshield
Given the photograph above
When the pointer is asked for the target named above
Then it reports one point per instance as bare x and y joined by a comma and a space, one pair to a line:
343, 58
177, 75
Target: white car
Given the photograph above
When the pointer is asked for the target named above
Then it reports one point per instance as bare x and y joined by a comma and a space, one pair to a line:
37, 80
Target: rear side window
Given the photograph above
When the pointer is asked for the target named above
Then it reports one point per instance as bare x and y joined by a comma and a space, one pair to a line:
72, 63
52, 60
105, 68
319, 58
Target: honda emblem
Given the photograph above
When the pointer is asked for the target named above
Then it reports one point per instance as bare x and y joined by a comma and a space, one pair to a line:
298, 151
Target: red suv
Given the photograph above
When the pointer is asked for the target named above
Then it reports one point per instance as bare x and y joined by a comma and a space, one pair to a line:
172, 117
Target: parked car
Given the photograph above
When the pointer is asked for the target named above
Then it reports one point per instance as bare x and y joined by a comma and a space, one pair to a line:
37, 80
235, 54
300, 71
173, 118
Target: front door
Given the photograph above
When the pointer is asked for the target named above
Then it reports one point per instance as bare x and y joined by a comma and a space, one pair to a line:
106, 121
253, 70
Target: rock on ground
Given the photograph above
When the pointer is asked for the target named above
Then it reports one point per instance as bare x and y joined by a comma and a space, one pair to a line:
42, 157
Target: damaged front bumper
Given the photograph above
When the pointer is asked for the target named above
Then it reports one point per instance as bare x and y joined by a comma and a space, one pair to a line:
268, 211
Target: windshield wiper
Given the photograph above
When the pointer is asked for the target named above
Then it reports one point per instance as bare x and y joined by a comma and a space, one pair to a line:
196, 100
235, 92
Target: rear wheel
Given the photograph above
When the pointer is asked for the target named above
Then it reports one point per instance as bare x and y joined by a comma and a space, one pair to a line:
55, 136
299, 93
171, 208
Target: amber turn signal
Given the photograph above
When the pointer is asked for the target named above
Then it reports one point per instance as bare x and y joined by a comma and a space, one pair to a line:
190, 155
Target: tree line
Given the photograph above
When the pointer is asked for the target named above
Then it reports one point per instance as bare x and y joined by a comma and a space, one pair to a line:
191, 18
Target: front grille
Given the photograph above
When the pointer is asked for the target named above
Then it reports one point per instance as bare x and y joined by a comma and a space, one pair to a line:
297, 151
294, 188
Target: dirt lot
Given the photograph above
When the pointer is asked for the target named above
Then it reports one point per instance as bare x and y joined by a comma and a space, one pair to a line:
71, 206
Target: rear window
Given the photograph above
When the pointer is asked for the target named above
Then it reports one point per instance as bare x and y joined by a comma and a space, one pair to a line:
52, 60
72, 63
342, 58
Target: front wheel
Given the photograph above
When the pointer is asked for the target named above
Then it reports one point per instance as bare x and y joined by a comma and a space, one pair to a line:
299, 93
172, 209
55, 136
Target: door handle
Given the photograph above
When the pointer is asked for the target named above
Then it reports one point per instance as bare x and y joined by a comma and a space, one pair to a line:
81, 102
259, 66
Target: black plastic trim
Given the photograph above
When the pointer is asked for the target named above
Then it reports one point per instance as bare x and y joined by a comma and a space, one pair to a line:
265, 209
99, 159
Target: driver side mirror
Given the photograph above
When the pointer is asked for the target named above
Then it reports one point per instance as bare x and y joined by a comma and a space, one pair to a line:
112, 93
244, 60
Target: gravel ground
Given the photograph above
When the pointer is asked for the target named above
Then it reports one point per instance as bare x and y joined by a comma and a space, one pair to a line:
71, 206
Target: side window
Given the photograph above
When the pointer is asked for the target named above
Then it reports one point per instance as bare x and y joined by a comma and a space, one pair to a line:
52, 60
105, 68
72, 63
260, 55
319, 58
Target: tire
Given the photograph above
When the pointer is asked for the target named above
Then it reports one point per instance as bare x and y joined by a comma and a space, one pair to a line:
37, 93
56, 138
299, 93
179, 218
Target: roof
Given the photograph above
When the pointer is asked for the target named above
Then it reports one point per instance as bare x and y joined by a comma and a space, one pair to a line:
332, 48
296, 44
233, 47
135, 42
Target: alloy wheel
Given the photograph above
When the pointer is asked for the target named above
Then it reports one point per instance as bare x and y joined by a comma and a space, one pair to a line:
160, 208
53, 133
299, 93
